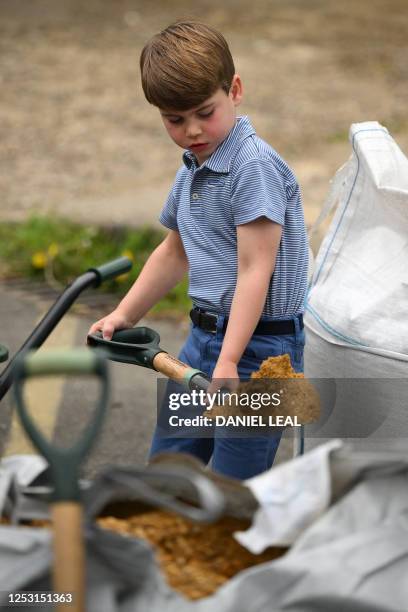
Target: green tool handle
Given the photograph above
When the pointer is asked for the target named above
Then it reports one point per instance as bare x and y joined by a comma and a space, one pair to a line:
64, 463
111, 269
60, 361
92, 278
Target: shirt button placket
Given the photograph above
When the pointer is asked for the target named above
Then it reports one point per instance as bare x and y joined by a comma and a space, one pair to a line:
195, 196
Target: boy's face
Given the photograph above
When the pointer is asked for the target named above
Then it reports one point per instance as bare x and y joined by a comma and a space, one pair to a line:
202, 128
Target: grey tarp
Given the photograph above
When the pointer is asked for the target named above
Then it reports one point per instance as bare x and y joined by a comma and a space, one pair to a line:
354, 558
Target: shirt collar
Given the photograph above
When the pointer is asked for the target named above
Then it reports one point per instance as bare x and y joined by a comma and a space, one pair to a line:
220, 160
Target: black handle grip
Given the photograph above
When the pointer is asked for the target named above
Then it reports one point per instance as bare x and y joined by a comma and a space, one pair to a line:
111, 269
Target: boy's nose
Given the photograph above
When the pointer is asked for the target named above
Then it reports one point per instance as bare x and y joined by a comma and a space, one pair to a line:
193, 130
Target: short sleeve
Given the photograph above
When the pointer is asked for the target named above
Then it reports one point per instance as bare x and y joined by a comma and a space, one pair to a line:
168, 215
258, 190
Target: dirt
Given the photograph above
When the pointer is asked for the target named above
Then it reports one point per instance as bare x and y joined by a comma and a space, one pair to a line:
297, 398
196, 559
79, 139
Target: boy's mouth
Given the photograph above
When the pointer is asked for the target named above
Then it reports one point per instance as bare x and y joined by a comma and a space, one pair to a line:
198, 146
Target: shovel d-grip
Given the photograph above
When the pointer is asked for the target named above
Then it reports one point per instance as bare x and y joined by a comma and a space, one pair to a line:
64, 463
141, 346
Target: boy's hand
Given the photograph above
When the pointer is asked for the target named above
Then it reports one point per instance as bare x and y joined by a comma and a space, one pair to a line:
225, 375
111, 323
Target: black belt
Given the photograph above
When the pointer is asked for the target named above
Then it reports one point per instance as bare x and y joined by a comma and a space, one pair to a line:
208, 322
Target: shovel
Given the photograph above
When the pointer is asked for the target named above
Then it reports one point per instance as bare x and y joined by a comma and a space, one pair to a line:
64, 464
141, 346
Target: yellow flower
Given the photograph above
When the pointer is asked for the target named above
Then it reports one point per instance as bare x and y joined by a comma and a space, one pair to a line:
128, 253
53, 250
122, 277
39, 260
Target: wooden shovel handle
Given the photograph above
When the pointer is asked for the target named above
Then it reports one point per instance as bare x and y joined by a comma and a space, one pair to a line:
69, 556
170, 366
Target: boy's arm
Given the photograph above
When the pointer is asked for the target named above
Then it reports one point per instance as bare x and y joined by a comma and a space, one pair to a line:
165, 267
258, 244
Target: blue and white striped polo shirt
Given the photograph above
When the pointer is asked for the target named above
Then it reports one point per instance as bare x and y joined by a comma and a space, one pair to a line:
243, 179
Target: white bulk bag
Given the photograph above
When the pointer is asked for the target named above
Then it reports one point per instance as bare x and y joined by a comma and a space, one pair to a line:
357, 307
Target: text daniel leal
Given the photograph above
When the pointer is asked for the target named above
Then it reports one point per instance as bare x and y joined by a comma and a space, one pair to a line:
247, 420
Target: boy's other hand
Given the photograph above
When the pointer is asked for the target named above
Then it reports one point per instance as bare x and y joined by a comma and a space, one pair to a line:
225, 375
111, 323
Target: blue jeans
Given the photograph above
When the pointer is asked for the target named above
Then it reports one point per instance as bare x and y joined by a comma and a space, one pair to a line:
239, 458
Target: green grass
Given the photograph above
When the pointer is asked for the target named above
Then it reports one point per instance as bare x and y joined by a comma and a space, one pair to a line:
338, 136
49, 248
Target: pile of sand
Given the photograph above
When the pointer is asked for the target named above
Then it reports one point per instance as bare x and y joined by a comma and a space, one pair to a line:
275, 377
196, 559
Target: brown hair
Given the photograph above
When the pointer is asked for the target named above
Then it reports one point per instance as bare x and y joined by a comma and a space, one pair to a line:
184, 65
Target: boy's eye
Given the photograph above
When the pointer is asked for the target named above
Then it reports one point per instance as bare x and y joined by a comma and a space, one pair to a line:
204, 115
179, 120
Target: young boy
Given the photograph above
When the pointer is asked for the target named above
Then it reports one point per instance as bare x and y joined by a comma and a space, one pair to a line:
236, 225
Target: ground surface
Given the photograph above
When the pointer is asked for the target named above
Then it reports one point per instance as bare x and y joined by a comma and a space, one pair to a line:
78, 137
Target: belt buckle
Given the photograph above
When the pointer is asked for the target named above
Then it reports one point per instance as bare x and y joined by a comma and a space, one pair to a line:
207, 316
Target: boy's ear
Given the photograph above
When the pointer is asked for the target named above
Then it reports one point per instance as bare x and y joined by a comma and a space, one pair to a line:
236, 90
